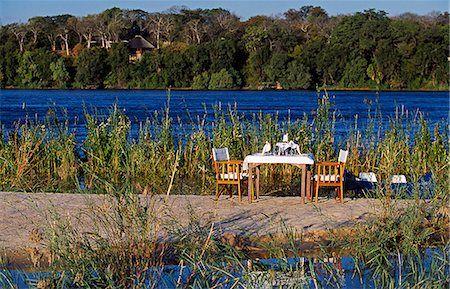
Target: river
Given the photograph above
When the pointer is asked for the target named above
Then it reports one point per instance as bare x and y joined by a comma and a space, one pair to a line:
16, 104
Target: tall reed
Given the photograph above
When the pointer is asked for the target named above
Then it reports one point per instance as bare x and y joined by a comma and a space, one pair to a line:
39, 155
43, 155
115, 247
403, 246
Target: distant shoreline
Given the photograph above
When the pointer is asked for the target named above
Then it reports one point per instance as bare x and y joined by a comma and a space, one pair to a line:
238, 89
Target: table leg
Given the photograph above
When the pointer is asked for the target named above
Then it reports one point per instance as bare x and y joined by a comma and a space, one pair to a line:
250, 183
257, 182
308, 184
303, 184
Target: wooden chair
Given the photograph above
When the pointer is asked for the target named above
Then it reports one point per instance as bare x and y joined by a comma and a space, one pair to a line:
228, 172
331, 174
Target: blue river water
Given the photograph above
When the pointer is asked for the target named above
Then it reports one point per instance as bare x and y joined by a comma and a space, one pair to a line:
16, 105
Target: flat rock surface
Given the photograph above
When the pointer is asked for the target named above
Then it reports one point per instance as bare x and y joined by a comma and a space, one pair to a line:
20, 213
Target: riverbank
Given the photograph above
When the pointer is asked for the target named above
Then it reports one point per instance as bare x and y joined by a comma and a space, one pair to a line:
25, 217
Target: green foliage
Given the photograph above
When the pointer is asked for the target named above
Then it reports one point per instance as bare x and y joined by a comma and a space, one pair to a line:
365, 50
221, 80
118, 61
33, 69
201, 81
60, 75
198, 57
254, 68
297, 76
8, 64
255, 38
92, 68
276, 69
355, 73
224, 54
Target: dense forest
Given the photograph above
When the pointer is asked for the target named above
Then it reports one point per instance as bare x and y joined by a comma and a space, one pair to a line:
303, 48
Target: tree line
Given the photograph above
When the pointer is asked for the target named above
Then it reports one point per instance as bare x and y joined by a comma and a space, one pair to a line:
213, 49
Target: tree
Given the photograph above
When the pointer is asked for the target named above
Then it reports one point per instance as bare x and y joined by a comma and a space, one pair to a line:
223, 54
276, 69
354, 74
194, 31
221, 80
36, 25
176, 70
86, 28
118, 61
311, 54
159, 26
55, 28
201, 81
74, 24
222, 23
254, 68
9, 60
431, 56
255, 38
109, 25
63, 33
33, 69
297, 76
20, 31
147, 72
137, 18
60, 75
198, 58
92, 68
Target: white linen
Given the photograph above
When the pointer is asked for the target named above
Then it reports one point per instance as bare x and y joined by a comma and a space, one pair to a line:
398, 179
368, 177
301, 159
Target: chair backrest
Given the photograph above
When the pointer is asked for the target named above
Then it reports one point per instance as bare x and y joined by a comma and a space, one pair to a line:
398, 179
343, 156
368, 177
220, 154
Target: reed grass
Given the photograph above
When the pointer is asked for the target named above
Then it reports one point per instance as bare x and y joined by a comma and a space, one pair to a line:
116, 248
42, 155
39, 155
403, 246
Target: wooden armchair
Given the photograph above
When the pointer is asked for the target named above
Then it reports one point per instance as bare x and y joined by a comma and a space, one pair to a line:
331, 174
228, 172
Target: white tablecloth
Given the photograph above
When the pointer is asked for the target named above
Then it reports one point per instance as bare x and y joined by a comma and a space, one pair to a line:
302, 159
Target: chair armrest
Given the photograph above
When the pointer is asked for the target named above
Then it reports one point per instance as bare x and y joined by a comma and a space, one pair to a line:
235, 162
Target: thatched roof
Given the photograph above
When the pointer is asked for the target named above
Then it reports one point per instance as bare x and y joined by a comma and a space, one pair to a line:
139, 42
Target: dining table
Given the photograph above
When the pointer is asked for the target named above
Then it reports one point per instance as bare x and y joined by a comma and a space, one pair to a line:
253, 162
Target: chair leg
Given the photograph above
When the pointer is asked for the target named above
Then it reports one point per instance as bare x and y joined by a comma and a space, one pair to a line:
342, 192
219, 192
239, 192
317, 192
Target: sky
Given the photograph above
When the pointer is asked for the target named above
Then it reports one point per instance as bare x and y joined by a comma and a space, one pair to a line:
21, 10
